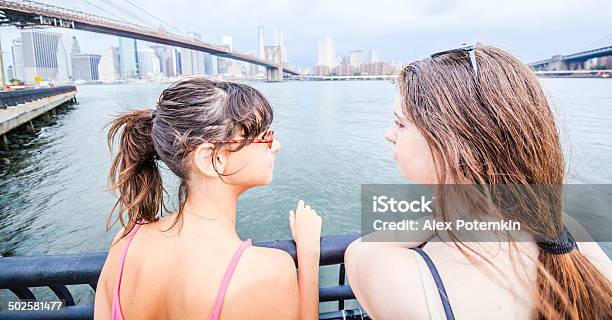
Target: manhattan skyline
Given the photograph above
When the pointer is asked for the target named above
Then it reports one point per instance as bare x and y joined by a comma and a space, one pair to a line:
397, 30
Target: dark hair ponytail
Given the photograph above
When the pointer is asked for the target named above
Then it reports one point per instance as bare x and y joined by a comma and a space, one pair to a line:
134, 172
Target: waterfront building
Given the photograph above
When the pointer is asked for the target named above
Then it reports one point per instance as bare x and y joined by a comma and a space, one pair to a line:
321, 70
85, 66
381, 68
345, 70
40, 54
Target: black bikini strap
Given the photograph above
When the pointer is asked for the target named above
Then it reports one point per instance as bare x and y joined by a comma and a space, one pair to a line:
434, 272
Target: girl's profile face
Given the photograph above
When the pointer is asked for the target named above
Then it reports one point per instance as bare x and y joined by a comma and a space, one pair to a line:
410, 149
252, 165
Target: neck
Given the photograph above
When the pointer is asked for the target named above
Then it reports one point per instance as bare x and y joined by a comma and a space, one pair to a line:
211, 208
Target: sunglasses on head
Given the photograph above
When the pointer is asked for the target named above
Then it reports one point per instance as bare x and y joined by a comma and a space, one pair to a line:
469, 49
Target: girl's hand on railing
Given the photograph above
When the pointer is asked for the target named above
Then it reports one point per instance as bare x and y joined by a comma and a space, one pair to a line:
305, 226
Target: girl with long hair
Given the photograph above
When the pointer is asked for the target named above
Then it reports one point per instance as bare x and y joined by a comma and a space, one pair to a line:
477, 116
216, 137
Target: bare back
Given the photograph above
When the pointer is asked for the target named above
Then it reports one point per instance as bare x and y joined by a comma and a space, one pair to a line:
388, 283
171, 275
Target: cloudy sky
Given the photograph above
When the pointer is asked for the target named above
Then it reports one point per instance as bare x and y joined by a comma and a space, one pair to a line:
397, 30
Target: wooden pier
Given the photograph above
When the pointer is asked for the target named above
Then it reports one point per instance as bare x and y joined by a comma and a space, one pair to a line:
18, 108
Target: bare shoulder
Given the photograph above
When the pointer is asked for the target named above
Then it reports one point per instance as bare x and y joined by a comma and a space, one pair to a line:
272, 276
104, 287
113, 256
382, 277
271, 264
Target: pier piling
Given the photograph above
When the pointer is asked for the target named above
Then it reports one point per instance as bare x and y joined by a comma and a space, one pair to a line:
6, 144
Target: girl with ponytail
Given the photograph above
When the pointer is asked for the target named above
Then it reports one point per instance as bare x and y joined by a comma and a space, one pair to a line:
476, 116
216, 137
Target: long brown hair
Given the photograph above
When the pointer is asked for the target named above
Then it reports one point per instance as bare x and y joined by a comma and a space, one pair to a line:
496, 127
188, 113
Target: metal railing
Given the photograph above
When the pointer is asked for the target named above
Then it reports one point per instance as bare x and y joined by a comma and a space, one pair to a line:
13, 98
19, 274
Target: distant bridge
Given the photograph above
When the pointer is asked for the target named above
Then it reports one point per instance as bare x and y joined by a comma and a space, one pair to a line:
571, 61
342, 78
26, 13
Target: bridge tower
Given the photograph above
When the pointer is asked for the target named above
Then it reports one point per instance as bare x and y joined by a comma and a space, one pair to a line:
274, 74
274, 55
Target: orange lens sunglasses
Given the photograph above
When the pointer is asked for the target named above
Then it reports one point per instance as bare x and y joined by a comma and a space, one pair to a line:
267, 138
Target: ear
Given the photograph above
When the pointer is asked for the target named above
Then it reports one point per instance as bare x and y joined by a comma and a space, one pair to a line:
203, 160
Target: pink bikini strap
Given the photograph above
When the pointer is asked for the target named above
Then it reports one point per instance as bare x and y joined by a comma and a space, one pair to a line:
117, 313
226, 279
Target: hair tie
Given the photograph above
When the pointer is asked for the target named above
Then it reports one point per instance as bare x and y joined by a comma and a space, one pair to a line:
564, 244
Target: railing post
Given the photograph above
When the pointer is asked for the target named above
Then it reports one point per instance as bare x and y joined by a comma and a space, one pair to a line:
341, 281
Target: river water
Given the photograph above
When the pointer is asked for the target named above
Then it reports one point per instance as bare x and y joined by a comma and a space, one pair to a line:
53, 199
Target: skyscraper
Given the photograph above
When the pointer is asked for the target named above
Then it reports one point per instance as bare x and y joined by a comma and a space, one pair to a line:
128, 59
224, 64
64, 63
40, 58
192, 61
109, 68
372, 57
227, 41
260, 33
148, 63
176, 60
210, 64
10, 74
17, 52
164, 53
280, 41
327, 53
187, 62
355, 58
85, 66
76, 49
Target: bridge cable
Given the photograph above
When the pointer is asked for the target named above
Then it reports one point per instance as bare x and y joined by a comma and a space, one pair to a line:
601, 42
102, 9
154, 17
130, 14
